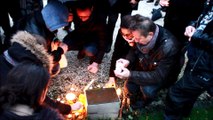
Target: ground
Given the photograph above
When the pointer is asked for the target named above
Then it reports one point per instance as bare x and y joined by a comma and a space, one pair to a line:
75, 77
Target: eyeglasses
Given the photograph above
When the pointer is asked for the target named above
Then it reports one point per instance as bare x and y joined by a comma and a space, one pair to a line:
127, 36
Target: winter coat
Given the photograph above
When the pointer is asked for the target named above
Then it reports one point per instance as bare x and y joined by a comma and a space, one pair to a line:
24, 47
179, 14
200, 51
90, 31
160, 66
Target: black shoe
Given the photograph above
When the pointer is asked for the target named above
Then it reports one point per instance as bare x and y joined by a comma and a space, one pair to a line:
81, 55
149, 1
163, 9
156, 3
137, 105
156, 14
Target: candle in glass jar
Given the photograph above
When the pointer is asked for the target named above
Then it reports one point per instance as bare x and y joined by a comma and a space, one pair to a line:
70, 97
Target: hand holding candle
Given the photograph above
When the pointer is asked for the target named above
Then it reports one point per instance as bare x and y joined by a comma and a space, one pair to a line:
77, 106
71, 97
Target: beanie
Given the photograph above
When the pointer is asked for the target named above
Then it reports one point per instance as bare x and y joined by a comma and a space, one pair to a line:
55, 15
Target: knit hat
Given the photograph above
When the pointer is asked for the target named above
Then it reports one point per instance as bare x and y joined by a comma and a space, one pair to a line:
55, 15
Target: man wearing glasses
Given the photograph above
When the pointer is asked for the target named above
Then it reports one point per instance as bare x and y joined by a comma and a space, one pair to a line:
152, 62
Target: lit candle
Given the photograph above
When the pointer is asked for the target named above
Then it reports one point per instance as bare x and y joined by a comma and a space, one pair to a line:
70, 97
69, 116
58, 99
118, 91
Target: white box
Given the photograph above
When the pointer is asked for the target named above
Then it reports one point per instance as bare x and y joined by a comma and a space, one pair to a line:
102, 103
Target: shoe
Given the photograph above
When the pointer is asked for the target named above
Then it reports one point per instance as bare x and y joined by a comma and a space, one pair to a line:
156, 14
149, 1
163, 9
81, 55
156, 2
137, 105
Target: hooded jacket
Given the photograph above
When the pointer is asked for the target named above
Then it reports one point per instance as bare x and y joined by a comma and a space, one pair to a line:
25, 47
28, 47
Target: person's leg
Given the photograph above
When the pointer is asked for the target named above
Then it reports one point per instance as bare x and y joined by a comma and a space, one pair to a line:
181, 97
90, 49
149, 93
132, 91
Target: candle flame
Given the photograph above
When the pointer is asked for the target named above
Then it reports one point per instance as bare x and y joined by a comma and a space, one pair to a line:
69, 116
118, 91
58, 99
70, 96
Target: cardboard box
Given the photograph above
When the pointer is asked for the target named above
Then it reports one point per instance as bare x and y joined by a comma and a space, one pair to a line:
102, 103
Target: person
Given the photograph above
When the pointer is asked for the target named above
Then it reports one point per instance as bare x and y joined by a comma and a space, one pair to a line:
178, 15
116, 7
32, 48
7, 11
23, 94
122, 46
149, 66
88, 36
12, 13
197, 76
44, 23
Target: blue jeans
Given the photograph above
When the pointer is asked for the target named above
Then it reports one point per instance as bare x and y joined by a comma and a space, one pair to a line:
90, 49
140, 96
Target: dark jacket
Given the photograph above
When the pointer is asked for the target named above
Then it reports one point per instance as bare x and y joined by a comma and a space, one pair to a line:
160, 65
200, 51
179, 14
25, 48
90, 31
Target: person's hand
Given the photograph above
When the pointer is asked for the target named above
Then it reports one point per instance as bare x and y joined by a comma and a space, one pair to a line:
93, 68
63, 46
76, 106
61, 33
164, 3
189, 31
110, 83
133, 2
123, 73
121, 63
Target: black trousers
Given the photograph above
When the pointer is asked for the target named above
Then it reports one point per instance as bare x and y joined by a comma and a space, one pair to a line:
182, 96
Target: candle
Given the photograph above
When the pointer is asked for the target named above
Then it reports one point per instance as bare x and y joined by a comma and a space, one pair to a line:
70, 96
118, 91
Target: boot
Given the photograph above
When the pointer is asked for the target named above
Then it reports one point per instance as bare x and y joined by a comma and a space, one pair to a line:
156, 2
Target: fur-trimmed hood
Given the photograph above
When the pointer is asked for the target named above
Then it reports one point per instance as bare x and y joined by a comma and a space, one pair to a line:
26, 46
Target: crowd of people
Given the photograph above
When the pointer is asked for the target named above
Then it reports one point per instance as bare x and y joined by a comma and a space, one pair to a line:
146, 56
